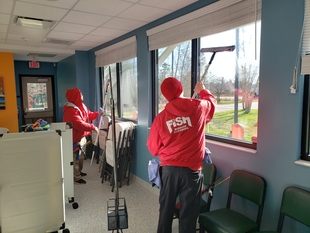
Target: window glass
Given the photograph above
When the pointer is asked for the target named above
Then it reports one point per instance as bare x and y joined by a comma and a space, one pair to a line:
233, 78
129, 89
174, 61
37, 93
107, 94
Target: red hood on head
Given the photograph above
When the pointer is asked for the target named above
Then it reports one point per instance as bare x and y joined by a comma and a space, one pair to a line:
74, 96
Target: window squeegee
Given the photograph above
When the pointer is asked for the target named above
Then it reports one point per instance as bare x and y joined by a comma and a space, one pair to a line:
213, 50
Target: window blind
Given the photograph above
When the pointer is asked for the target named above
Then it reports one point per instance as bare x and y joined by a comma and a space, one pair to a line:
305, 64
118, 52
214, 18
306, 28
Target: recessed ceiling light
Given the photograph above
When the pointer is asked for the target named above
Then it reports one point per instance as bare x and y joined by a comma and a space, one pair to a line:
34, 23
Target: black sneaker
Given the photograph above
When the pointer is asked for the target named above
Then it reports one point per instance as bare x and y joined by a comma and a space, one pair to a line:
83, 174
80, 181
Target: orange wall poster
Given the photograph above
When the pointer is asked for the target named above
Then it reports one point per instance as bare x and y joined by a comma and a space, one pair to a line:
2, 97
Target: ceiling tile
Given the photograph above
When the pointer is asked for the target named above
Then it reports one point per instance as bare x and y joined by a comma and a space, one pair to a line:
108, 32
38, 11
131, 0
97, 39
6, 6
106, 7
119, 23
66, 4
21, 42
52, 45
71, 27
171, 5
65, 35
30, 38
2, 35
3, 28
4, 19
86, 18
146, 13
83, 45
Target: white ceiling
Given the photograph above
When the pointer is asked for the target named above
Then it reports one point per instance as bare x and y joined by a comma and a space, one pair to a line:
79, 24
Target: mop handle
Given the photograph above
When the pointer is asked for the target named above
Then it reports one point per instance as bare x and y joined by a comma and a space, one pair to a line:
222, 181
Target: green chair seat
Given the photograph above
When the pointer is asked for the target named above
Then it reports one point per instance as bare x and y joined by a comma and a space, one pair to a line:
226, 221
248, 187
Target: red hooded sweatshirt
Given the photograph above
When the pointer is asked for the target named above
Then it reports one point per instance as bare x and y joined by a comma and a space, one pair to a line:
78, 114
177, 133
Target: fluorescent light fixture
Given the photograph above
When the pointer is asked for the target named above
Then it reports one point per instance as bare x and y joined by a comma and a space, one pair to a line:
34, 23
30, 23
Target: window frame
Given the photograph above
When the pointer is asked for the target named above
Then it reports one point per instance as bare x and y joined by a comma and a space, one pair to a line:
305, 125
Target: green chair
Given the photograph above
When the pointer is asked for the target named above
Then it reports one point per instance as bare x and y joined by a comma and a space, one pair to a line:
247, 186
296, 205
209, 174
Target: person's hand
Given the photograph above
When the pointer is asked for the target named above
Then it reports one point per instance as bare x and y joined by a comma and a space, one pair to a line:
199, 86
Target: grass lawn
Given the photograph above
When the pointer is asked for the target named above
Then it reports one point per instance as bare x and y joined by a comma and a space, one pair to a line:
222, 122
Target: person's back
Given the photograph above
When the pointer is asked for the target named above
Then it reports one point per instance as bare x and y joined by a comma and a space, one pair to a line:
177, 136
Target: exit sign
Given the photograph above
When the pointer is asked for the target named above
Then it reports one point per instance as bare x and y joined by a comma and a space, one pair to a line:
34, 64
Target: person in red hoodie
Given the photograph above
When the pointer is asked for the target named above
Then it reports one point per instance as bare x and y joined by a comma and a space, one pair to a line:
76, 112
177, 136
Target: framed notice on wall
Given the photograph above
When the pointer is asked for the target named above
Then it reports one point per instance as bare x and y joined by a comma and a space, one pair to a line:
2, 98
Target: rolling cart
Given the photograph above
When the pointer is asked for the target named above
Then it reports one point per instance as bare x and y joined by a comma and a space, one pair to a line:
66, 136
31, 183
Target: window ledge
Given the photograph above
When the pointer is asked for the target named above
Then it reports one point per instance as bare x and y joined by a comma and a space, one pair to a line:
226, 145
303, 163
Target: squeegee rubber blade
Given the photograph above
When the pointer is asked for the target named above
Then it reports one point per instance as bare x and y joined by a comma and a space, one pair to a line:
218, 49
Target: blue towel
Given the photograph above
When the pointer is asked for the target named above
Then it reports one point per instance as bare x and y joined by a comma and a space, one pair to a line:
154, 172
207, 158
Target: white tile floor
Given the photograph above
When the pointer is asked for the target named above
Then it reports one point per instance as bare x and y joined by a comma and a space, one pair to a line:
91, 215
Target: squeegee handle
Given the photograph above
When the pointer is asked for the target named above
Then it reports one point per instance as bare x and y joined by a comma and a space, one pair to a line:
205, 72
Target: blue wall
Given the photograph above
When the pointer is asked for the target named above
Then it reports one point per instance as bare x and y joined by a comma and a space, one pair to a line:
279, 119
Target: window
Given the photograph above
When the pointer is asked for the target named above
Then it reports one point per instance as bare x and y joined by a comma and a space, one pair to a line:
120, 60
305, 70
233, 77
174, 61
124, 88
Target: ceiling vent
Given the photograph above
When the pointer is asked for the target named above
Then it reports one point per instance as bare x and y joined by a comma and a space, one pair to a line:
41, 55
33, 22
57, 41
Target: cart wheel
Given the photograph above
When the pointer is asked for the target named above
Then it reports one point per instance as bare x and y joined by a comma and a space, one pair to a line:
66, 230
75, 205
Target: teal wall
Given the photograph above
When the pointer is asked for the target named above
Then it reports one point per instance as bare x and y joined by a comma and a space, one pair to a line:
66, 76
279, 120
